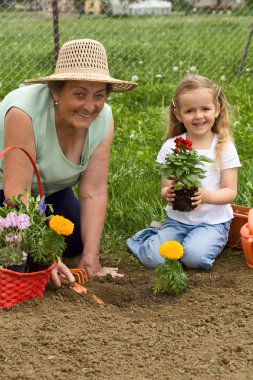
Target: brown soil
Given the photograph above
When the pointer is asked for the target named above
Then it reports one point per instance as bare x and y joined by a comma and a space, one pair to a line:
205, 333
183, 200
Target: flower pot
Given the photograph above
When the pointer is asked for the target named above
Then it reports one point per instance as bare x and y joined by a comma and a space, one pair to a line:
36, 267
240, 218
183, 200
17, 268
247, 239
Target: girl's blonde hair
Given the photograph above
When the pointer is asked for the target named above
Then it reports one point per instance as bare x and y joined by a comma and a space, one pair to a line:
222, 122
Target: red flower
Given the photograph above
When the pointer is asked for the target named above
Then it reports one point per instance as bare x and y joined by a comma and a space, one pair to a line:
182, 144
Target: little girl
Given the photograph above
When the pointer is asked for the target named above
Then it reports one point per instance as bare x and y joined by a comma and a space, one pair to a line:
199, 113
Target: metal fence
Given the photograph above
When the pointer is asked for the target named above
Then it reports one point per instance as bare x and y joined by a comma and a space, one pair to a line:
155, 36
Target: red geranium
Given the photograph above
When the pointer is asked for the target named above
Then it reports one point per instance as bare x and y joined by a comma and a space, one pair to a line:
182, 144
183, 165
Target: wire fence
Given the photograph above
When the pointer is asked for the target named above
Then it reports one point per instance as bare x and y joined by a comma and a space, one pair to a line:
149, 39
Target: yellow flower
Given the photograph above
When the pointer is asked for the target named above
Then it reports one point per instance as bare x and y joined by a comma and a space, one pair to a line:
61, 225
171, 250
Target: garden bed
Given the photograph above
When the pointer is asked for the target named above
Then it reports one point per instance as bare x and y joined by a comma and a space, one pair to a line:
206, 333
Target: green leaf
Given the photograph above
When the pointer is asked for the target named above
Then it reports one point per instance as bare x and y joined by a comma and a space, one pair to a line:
170, 277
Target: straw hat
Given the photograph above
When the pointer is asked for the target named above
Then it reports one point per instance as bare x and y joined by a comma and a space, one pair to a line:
84, 60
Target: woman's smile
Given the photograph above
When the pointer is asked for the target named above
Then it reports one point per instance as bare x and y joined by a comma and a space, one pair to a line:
83, 115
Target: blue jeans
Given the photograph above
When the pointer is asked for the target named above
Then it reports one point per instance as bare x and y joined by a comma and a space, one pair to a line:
65, 203
202, 243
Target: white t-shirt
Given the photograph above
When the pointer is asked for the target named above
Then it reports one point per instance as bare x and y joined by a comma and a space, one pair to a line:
207, 213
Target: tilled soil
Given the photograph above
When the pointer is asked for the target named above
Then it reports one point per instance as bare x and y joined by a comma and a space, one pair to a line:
205, 333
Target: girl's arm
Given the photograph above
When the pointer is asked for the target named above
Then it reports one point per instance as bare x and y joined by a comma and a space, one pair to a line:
93, 205
226, 194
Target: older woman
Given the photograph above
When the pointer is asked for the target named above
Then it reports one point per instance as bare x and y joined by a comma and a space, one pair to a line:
63, 121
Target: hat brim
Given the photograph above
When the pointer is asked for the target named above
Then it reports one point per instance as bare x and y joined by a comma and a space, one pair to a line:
117, 84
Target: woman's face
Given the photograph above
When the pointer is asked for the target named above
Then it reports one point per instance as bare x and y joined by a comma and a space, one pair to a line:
79, 103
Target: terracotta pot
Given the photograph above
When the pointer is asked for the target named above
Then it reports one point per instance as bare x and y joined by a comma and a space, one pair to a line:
247, 239
240, 218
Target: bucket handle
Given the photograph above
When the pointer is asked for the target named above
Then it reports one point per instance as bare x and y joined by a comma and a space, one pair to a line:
250, 221
8, 148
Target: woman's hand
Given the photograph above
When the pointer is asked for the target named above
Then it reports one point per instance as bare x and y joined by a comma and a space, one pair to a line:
94, 268
61, 270
107, 270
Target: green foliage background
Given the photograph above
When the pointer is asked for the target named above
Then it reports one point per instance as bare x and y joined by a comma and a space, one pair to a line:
134, 180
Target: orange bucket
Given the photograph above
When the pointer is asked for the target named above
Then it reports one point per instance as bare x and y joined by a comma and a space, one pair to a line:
247, 239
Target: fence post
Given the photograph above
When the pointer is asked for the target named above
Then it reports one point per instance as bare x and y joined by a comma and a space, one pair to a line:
56, 28
245, 52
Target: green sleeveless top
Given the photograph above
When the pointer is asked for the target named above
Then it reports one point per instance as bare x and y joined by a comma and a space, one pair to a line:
56, 171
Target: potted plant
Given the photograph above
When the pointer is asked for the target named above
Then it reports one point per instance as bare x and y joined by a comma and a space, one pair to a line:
183, 166
26, 231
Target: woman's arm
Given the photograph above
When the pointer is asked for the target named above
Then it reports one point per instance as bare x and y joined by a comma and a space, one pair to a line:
93, 205
18, 171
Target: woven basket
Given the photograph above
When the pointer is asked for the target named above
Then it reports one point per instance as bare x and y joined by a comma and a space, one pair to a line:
17, 287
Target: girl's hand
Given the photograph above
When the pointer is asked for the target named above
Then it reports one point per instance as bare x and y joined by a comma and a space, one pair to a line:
170, 196
197, 200
167, 191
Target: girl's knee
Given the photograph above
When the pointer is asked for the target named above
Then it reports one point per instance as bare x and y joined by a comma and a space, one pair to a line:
149, 258
197, 262
145, 251
194, 259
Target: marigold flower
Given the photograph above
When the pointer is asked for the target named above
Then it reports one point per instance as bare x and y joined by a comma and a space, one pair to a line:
61, 225
171, 250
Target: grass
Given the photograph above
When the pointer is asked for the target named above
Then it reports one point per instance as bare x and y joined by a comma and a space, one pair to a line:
150, 48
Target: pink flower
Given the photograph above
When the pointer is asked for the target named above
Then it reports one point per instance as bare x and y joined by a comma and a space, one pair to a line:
10, 220
2, 222
23, 221
10, 237
24, 255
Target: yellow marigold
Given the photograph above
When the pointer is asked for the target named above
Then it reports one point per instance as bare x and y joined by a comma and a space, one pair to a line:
171, 250
61, 225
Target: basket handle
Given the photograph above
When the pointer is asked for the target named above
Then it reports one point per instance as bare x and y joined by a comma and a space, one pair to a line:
8, 148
